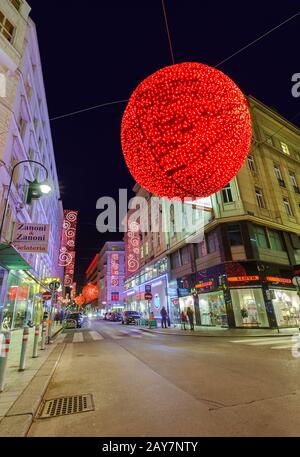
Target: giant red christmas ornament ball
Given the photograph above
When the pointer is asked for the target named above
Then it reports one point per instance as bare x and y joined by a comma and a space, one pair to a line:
186, 131
90, 292
80, 300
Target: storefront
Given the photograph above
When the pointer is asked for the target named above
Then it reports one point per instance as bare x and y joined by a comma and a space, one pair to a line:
23, 302
249, 308
285, 300
212, 309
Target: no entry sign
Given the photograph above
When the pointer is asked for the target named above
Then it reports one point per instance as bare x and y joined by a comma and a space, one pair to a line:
46, 296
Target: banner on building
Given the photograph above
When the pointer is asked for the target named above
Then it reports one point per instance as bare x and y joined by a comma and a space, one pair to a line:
32, 238
67, 248
132, 246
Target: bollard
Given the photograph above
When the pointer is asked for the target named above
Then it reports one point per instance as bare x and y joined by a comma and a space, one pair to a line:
36, 341
4, 350
44, 332
24, 348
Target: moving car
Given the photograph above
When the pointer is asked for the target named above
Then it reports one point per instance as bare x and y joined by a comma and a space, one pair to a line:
113, 317
74, 320
130, 317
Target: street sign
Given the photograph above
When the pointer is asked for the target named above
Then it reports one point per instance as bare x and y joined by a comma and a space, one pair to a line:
148, 289
47, 296
54, 286
148, 296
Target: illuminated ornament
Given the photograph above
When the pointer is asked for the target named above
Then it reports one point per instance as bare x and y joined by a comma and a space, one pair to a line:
80, 300
90, 292
186, 131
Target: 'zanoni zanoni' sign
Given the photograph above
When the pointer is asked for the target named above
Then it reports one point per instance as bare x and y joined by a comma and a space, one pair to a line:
31, 237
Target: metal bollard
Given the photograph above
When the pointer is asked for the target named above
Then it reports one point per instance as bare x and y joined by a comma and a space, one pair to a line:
44, 332
4, 350
24, 348
36, 341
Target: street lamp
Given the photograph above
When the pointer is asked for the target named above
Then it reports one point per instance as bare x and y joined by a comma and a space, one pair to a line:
36, 189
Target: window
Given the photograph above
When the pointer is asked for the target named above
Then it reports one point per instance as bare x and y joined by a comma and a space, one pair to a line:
269, 140
234, 235
287, 206
196, 251
285, 148
275, 240
16, 4
261, 236
185, 255
260, 198
251, 164
227, 194
175, 260
277, 171
115, 296
294, 182
6, 28
279, 175
212, 242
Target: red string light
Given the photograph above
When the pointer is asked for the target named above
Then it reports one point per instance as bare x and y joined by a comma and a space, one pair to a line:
186, 131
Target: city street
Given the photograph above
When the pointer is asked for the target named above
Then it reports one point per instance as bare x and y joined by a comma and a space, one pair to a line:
146, 384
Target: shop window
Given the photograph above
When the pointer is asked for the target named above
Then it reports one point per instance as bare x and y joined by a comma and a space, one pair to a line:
275, 240
249, 308
227, 194
287, 205
260, 198
261, 236
212, 309
234, 235
286, 305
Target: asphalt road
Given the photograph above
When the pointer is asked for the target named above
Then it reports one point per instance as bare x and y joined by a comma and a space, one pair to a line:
160, 385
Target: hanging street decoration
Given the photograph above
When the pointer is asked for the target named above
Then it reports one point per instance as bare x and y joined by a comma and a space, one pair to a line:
80, 300
186, 131
67, 249
90, 292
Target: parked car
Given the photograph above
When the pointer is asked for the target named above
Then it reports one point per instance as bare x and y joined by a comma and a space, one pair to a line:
74, 320
113, 317
130, 317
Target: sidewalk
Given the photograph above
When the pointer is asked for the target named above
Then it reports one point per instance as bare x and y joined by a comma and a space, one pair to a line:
15, 381
223, 332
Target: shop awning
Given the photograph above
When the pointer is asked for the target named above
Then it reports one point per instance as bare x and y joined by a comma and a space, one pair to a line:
11, 259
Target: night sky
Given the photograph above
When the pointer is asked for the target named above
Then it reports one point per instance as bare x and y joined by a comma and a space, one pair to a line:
98, 51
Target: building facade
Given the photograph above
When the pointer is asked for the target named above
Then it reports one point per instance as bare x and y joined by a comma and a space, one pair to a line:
241, 273
111, 272
25, 135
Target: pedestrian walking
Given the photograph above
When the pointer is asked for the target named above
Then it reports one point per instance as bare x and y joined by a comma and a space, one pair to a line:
164, 315
190, 314
183, 320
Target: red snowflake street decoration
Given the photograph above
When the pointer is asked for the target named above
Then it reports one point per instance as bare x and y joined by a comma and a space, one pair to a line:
186, 131
90, 292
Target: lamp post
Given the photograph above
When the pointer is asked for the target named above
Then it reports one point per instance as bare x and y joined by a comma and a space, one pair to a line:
44, 188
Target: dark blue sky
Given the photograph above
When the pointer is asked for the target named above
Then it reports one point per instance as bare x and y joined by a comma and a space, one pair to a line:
98, 51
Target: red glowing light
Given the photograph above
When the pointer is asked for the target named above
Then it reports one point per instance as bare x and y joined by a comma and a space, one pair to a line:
90, 292
80, 300
186, 131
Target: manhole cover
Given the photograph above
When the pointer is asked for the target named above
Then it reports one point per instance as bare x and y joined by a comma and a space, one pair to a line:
64, 406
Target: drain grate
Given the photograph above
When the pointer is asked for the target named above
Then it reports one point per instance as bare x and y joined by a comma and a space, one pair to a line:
64, 406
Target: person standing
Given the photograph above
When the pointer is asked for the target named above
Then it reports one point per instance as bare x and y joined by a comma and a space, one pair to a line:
163, 314
183, 320
190, 314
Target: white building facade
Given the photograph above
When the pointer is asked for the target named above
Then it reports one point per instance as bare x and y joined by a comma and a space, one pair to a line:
111, 276
24, 135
